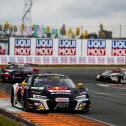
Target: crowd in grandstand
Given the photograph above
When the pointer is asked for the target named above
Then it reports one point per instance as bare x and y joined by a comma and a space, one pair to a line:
46, 31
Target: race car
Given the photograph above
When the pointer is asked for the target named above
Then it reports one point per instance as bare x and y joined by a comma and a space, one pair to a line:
116, 75
16, 72
41, 92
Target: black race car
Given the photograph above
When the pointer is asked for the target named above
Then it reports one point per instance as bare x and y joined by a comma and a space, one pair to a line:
16, 72
50, 92
117, 75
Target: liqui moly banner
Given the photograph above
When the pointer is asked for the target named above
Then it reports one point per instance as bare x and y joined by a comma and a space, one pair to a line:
96, 47
67, 47
119, 48
44, 46
22, 46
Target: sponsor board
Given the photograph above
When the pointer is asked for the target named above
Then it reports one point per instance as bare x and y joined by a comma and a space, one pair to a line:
46, 60
96, 47
64, 60
37, 60
29, 60
22, 46
55, 60
21, 59
82, 60
4, 60
118, 47
110, 60
44, 46
67, 47
101, 60
12, 59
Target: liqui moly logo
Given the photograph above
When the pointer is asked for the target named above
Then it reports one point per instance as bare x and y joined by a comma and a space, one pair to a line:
119, 48
67, 47
44, 47
96, 47
22, 46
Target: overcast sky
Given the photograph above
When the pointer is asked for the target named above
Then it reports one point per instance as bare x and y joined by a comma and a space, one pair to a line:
70, 12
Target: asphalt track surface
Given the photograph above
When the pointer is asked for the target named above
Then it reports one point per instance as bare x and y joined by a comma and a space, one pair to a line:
108, 100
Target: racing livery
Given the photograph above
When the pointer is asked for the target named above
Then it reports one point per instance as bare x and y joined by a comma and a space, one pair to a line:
50, 92
117, 75
16, 72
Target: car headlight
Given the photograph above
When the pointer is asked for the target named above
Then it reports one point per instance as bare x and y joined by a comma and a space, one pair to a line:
6, 73
39, 96
81, 97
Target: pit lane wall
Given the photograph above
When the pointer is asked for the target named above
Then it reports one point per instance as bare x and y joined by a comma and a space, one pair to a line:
65, 51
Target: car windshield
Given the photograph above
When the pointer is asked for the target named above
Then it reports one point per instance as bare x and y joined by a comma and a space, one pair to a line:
53, 81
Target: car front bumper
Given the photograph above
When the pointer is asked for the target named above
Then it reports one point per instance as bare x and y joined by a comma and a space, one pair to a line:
46, 104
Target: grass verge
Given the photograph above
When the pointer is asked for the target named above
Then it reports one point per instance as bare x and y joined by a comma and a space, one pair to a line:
5, 121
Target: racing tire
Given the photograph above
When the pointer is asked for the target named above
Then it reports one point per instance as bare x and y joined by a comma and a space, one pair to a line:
86, 111
25, 108
12, 97
119, 80
2, 79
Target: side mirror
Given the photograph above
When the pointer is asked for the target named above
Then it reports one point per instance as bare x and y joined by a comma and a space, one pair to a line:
80, 85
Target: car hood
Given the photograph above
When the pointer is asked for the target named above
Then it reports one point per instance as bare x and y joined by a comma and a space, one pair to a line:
52, 93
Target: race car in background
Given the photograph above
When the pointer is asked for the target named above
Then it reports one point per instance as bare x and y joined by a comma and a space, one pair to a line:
16, 72
117, 75
41, 92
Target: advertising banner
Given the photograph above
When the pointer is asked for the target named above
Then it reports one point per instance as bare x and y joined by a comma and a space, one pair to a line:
101, 60
55, 60
96, 47
118, 47
65, 51
46, 60
22, 46
29, 60
82, 60
12, 59
4, 46
91, 60
44, 46
121, 60
64, 60
37, 60
67, 47
21, 59
4, 59
110, 60
73, 60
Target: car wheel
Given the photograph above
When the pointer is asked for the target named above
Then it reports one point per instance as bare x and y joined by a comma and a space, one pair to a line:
25, 108
13, 97
118, 80
25, 105
2, 79
86, 111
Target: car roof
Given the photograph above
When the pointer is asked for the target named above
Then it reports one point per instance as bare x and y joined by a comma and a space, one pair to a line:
49, 74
